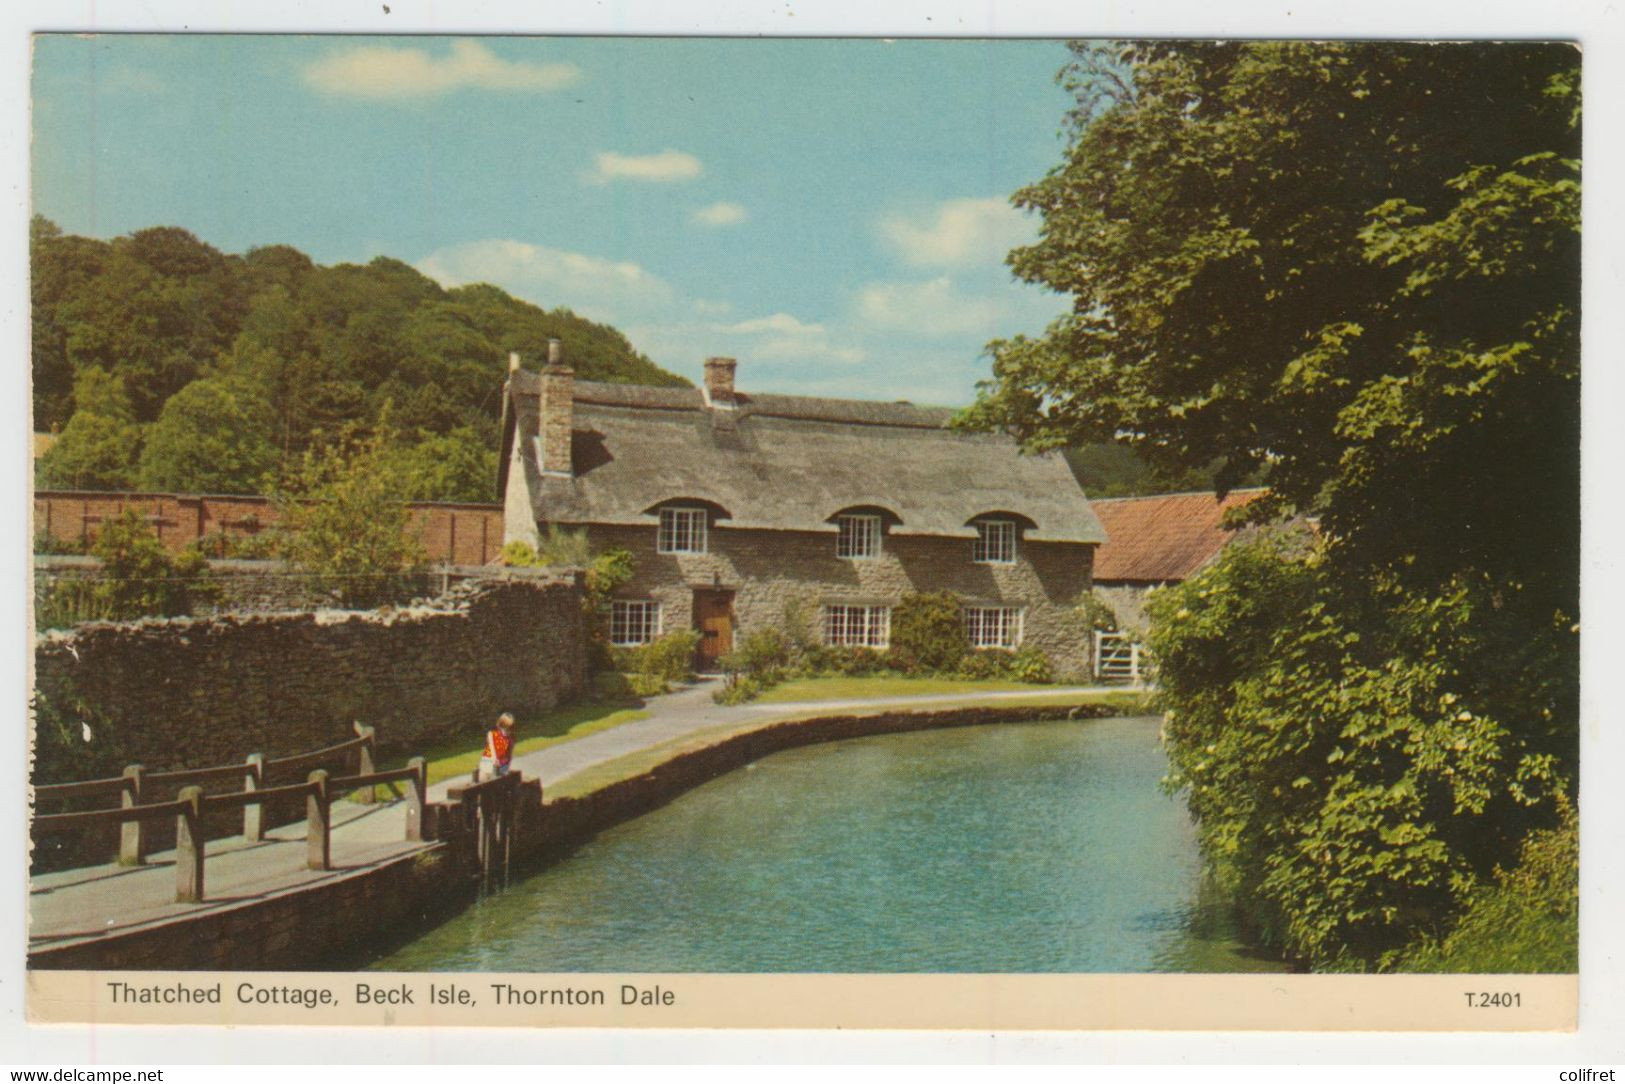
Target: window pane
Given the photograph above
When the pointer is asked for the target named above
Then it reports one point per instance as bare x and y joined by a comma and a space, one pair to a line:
857, 536
633, 622
995, 542
857, 626
682, 530
993, 626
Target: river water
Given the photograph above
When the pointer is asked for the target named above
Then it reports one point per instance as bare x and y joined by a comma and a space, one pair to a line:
1019, 847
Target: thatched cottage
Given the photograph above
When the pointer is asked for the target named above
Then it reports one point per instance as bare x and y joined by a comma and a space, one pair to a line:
746, 511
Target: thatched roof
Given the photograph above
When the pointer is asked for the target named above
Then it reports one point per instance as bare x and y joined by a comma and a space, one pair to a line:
789, 463
1163, 539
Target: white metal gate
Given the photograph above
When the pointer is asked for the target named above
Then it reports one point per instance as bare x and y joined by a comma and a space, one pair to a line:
1118, 657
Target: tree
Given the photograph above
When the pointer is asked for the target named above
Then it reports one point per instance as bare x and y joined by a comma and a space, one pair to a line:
1352, 269
327, 347
98, 448
138, 578
347, 523
454, 467
211, 438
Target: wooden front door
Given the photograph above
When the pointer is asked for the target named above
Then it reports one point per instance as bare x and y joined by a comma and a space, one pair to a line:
714, 617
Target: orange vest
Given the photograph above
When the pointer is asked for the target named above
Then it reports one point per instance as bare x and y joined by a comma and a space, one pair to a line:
498, 746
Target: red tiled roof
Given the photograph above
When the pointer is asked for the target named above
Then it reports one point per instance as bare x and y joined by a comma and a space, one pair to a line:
1164, 538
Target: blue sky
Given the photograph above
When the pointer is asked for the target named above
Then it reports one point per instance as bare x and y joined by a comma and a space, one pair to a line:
833, 213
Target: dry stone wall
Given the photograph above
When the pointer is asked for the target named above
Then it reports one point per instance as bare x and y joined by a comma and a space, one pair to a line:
191, 692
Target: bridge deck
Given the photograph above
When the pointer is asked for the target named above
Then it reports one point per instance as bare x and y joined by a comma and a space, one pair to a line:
97, 900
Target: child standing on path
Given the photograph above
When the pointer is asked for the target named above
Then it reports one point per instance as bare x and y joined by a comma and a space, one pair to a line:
498, 757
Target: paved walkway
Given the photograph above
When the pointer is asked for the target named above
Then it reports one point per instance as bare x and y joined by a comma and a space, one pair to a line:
690, 710
93, 901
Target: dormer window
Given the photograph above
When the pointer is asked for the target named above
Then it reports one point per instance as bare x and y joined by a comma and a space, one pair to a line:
857, 536
995, 542
682, 530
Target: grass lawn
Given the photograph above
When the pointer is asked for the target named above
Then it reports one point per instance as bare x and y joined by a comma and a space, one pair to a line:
460, 755
860, 688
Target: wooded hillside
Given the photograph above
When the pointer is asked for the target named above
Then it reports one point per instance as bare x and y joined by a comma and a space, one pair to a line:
166, 364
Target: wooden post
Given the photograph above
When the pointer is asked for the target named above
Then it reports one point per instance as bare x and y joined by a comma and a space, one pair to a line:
416, 791
254, 812
189, 847
132, 847
367, 795
1134, 663
318, 823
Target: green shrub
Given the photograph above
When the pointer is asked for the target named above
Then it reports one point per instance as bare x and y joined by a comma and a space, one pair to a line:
1031, 665
138, 578
1027, 664
1097, 613
742, 688
928, 633
985, 665
851, 661
670, 658
519, 554
763, 652
1528, 921
1359, 754
47, 543
612, 685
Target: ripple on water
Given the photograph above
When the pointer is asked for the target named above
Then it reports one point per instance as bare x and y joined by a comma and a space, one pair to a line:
1013, 847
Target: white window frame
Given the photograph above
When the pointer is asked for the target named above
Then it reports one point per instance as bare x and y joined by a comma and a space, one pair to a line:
857, 536
683, 530
856, 626
995, 542
622, 625
995, 626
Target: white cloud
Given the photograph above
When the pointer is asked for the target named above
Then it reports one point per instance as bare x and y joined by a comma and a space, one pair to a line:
958, 233
707, 307
780, 322
721, 214
387, 71
930, 309
781, 342
662, 168
606, 290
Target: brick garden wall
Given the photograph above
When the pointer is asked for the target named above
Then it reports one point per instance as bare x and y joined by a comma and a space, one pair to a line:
775, 573
458, 534
198, 691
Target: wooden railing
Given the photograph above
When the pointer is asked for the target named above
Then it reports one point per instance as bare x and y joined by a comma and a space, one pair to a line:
255, 773
319, 791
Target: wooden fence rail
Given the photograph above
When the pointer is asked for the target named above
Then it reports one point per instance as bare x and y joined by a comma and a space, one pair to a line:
137, 782
318, 790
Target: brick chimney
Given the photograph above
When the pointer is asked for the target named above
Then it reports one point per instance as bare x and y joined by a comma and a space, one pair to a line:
719, 382
557, 413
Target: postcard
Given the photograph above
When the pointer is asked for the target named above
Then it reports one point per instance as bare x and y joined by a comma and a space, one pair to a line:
582, 531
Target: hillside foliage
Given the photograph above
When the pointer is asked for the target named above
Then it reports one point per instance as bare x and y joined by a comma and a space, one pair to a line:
166, 364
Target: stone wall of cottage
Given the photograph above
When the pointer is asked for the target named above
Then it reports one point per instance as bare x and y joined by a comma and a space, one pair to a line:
199, 691
781, 576
1127, 601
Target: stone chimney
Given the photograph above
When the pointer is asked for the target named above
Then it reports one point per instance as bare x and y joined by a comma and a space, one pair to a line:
557, 413
719, 382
